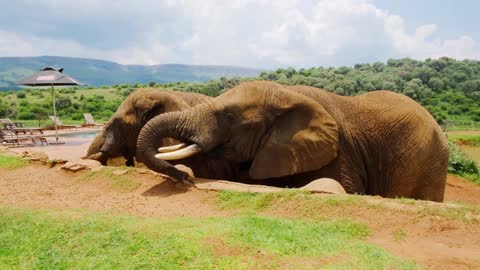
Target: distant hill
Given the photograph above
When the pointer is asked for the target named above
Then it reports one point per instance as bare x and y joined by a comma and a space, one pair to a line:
100, 72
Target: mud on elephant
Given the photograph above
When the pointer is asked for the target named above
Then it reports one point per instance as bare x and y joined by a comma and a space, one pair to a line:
379, 143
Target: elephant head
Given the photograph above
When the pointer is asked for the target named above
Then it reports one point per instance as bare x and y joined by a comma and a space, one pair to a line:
119, 136
264, 127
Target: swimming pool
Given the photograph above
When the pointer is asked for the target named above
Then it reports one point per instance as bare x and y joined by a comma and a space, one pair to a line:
85, 134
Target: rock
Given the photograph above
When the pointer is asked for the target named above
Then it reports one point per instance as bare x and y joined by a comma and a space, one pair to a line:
54, 162
324, 185
35, 156
61, 161
89, 163
73, 167
186, 169
147, 171
81, 164
209, 184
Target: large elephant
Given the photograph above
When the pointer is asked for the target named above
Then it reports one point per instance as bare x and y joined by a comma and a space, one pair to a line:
119, 136
379, 143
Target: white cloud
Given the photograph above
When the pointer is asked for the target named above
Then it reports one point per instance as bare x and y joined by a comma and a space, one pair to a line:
243, 32
13, 44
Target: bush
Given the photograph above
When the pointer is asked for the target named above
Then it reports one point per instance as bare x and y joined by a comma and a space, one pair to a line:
459, 163
21, 95
26, 115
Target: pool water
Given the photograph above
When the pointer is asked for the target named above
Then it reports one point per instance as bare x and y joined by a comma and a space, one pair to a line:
85, 135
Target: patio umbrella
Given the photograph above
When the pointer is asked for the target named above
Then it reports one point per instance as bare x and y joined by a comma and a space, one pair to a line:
49, 77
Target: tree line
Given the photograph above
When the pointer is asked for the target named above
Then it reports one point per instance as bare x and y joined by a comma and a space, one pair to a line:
448, 88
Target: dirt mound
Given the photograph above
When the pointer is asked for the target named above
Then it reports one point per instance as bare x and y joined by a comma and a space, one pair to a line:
37, 186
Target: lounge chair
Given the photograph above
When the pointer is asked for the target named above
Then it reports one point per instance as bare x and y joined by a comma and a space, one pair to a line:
14, 139
59, 124
89, 122
18, 127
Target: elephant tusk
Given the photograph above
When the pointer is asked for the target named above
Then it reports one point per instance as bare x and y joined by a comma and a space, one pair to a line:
171, 148
180, 154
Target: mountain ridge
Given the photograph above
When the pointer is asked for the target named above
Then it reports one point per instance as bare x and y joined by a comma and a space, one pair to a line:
97, 72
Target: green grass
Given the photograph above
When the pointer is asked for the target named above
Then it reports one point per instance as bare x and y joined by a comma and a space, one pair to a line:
260, 201
399, 235
474, 178
11, 162
310, 206
32, 96
33, 239
461, 123
43, 123
254, 201
459, 163
469, 139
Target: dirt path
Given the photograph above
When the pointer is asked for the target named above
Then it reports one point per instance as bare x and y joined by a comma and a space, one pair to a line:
432, 241
459, 190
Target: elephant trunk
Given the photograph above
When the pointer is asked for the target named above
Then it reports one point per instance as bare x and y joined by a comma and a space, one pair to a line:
176, 125
95, 149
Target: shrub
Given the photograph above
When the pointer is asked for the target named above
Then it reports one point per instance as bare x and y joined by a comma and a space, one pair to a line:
26, 115
21, 95
459, 163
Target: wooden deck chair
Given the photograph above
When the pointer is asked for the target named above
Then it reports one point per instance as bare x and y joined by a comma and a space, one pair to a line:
18, 127
89, 122
10, 137
59, 124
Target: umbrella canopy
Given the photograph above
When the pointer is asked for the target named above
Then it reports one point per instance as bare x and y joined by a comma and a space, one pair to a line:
47, 77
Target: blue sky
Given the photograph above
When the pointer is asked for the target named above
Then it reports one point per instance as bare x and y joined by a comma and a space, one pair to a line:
261, 33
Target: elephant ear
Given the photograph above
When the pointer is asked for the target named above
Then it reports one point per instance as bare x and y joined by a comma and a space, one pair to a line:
156, 104
303, 137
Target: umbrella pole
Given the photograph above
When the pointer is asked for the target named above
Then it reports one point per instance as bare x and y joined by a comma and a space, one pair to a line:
54, 113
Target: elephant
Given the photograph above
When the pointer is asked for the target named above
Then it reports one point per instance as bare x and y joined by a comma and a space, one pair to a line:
119, 136
377, 143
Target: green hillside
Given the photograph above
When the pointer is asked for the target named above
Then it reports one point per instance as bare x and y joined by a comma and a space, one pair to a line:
448, 88
99, 72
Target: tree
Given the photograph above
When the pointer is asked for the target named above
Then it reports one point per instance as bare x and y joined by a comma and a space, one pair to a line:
39, 113
436, 84
63, 102
469, 86
413, 87
282, 79
424, 73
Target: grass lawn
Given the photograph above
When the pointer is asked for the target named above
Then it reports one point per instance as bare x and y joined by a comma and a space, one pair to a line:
33, 97
11, 162
470, 139
50, 239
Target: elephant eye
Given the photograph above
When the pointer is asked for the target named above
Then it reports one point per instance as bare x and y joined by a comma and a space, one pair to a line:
230, 117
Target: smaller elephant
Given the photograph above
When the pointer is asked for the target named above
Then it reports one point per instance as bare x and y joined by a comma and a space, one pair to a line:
119, 136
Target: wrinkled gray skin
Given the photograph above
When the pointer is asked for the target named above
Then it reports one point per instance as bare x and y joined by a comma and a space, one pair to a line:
119, 136
379, 143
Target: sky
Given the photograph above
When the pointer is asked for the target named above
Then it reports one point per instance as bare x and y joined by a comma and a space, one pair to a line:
251, 33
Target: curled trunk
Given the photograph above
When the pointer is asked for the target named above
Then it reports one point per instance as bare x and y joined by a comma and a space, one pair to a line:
95, 149
176, 125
